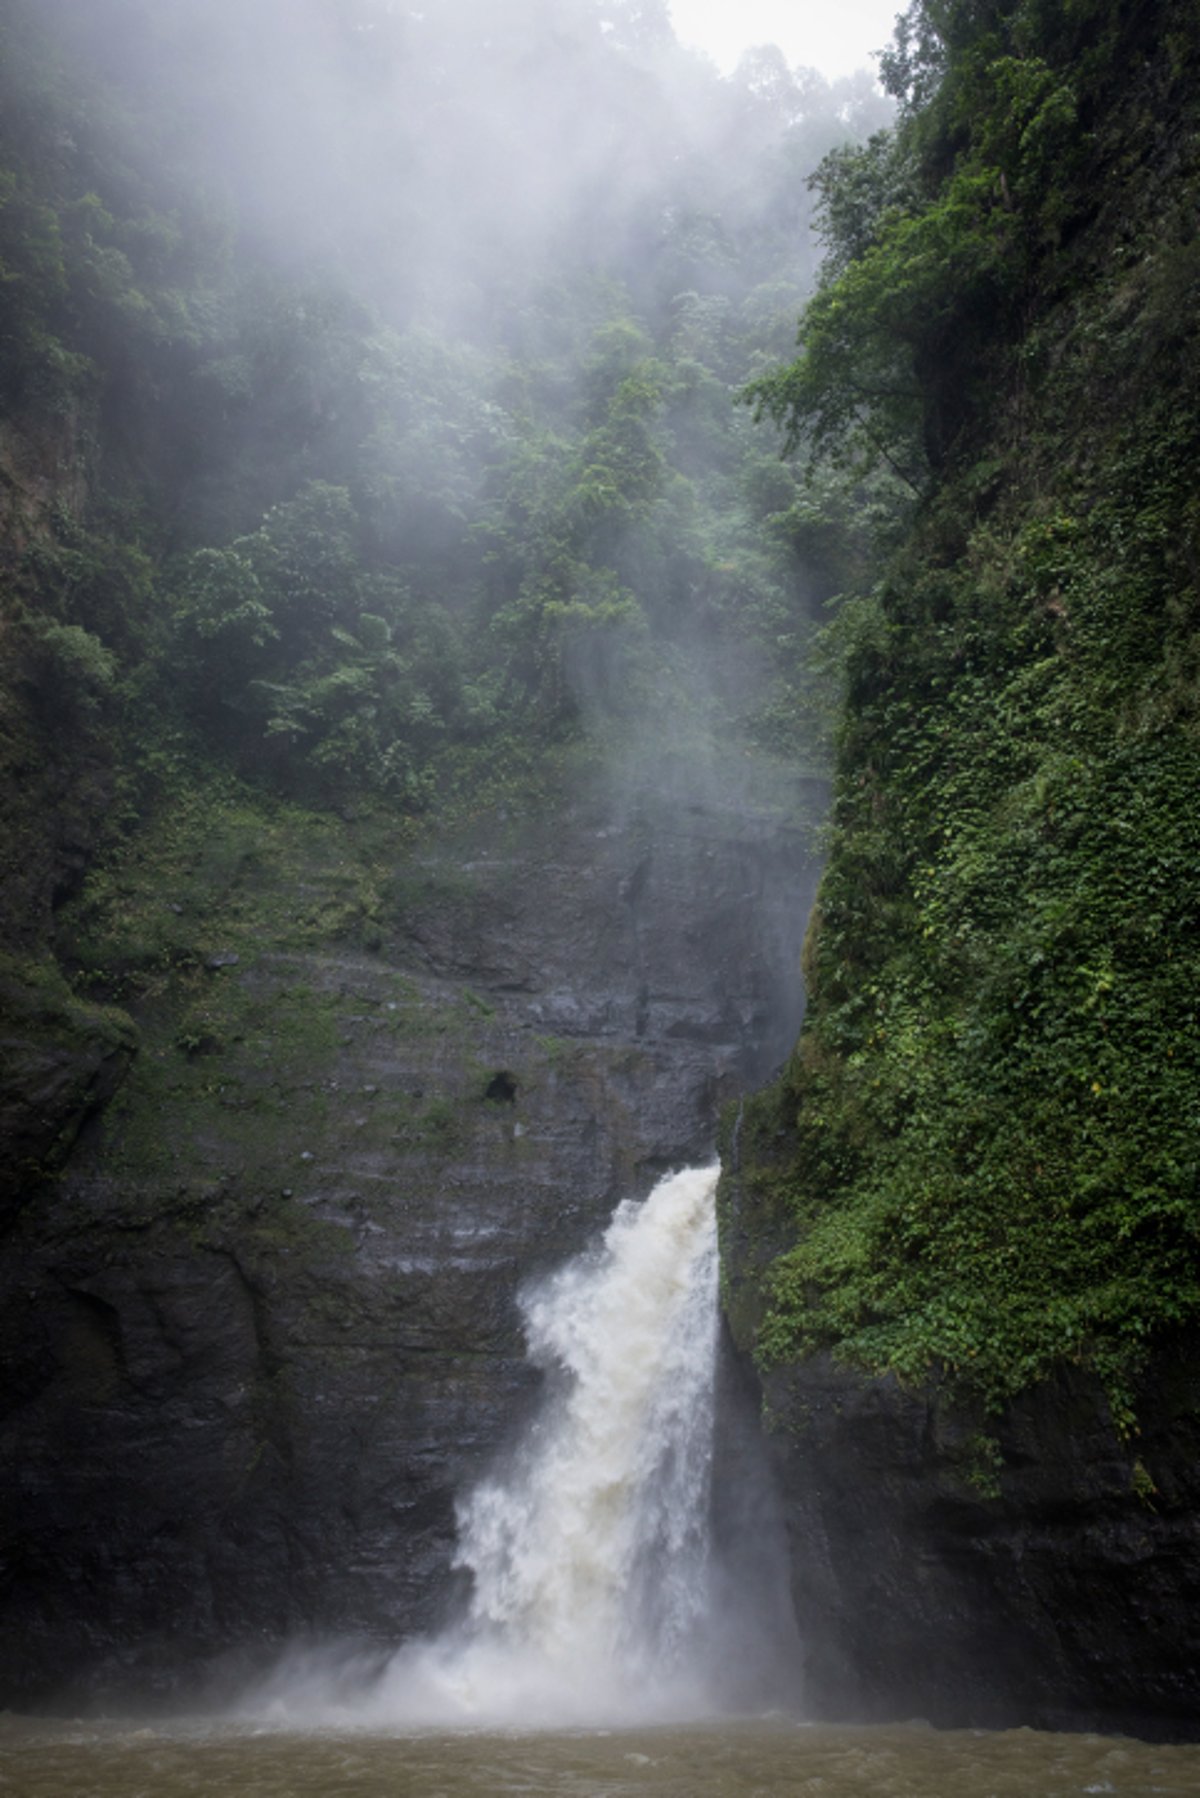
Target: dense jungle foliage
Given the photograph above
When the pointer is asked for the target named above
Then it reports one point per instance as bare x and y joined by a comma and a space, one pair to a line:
983, 1156
370, 443
370, 380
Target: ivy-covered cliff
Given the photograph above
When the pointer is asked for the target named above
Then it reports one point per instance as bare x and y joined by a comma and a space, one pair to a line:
962, 1230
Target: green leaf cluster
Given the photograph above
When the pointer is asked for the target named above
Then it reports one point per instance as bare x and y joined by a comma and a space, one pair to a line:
937, 232
983, 1157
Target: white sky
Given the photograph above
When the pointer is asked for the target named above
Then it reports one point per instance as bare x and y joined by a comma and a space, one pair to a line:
835, 36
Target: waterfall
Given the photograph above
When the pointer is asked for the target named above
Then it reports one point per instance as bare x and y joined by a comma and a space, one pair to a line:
591, 1560
589, 1552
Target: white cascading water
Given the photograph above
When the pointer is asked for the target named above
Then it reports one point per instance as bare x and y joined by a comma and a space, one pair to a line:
590, 1557
590, 1562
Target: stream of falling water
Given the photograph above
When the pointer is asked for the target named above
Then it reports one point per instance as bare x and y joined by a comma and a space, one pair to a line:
589, 1552
591, 1560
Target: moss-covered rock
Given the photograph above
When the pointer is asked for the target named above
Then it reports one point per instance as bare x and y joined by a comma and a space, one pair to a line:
61, 1061
969, 1209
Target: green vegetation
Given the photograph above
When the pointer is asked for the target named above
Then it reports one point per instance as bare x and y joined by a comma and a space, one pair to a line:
340, 535
370, 456
337, 508
983, 1157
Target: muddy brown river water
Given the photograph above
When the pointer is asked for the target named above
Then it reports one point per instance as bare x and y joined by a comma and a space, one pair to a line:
744, 1759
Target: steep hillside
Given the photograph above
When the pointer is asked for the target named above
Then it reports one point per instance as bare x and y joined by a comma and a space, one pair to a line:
963, 1229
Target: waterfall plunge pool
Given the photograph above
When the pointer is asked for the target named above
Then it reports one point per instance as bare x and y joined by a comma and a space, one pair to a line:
594, 1658
767, 1758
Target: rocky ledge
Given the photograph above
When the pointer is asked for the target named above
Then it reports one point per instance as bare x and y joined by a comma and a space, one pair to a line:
262, 1328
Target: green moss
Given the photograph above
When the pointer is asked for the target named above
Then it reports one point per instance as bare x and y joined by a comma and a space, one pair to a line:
216, 871
62, 1058
1142, 1483
985, 1152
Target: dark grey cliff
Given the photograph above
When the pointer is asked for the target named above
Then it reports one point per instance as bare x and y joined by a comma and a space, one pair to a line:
1040, 1568
262, 1327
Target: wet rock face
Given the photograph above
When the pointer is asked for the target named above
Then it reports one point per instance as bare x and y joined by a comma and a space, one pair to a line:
61, 1063
263, 1327
1049, 1577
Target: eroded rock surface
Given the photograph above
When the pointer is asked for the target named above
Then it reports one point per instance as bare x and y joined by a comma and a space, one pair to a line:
264, 1327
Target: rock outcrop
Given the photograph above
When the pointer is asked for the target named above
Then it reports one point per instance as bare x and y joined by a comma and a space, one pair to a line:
1039, 1568
263, 1327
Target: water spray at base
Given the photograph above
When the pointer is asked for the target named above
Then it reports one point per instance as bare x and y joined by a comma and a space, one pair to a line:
590, 1556
591, 1563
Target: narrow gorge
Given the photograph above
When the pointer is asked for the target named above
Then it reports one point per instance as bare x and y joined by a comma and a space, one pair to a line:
598, 952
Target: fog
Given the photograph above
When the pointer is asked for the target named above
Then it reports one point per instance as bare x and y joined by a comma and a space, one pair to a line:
408, 343
423, 331
493, 276
835, 40
420, 335
473, 142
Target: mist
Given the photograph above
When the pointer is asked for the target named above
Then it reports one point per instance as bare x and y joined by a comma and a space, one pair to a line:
493, 278
401, 351
600, 1594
